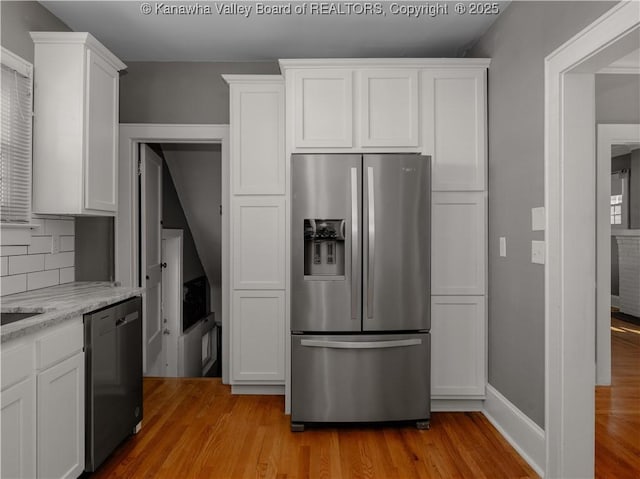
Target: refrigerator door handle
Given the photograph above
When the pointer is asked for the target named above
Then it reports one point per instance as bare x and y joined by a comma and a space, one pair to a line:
372, 241
354, 244
396, 343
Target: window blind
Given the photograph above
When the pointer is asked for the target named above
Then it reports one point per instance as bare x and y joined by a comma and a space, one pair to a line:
15, 152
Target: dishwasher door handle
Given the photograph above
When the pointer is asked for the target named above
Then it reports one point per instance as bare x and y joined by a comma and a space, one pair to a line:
127, 319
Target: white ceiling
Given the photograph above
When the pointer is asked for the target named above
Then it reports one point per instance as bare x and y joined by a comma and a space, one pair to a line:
133, 36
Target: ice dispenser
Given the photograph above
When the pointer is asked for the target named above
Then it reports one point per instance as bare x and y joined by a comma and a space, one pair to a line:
324, 247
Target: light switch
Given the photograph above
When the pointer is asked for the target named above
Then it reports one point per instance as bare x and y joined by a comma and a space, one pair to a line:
537, 252
537, 219
55, 244
503, 246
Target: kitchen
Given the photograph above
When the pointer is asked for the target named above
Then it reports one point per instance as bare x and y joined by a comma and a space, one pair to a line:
171, 111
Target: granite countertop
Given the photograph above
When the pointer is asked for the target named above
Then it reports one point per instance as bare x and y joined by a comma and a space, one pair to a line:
59, 303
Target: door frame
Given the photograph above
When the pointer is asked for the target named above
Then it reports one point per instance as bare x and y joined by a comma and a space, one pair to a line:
126, 229
608, 135
569, 158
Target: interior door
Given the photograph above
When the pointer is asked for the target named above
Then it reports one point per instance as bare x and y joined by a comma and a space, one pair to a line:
151, 258
396, 242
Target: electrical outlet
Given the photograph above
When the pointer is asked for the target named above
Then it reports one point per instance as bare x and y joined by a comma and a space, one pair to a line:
503, 246
537, 252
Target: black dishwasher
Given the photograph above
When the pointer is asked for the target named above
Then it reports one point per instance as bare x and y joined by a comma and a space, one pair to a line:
113, 368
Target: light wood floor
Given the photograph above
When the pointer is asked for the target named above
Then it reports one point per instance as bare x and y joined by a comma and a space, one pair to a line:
618, 407
194, 428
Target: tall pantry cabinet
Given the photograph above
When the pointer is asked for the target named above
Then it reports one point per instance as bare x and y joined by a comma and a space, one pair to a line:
435, 107
258, 234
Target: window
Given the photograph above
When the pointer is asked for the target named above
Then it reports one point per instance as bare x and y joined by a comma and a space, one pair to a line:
616, 209
619, 202
15, 150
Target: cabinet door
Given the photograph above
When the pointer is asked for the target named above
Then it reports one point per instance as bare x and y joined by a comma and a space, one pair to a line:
458, 346
101, 135
257, 336
19, 430
323, 111
389, 108
258, 243
60, 443
458, 243
257, 139
454, 127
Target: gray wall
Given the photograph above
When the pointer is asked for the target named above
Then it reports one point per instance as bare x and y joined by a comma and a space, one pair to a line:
20, 18
517, 44
634, 190
94, 253
617, 98
173, 217
197, 176
180, 92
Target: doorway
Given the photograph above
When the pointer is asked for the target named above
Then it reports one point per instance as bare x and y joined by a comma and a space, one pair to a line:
180, 256
615, 142
570, 270
128, 230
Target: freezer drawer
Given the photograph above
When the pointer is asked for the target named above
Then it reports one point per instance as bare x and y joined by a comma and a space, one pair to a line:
349, 378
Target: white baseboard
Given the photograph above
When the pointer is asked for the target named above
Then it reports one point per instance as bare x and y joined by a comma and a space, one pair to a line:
615, 301
264, 390
522, 433
456, 405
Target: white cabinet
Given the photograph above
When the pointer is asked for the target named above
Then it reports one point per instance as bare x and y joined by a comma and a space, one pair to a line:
257, 134
60, 443
458, 346
258, 243
18, 417
454, 127
75, 130
258, 334
458, 243
43, 403
323, 108
258, 222
388, 108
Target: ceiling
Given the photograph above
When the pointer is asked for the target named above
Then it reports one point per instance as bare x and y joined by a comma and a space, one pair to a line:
134, 36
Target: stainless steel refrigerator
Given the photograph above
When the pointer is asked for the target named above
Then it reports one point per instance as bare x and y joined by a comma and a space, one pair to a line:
360, 288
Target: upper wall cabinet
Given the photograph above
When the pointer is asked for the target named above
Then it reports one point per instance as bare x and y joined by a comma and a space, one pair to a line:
323, 108
454, 132
257, 134
75, 132
389, 108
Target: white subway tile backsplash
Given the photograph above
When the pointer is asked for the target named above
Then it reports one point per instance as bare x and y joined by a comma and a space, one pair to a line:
59, 227
39, 229
13, 284
12, 250
60, 260
67, 275
42, 279
31, 263
26, 263
15, 236
40, 244
67, 243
